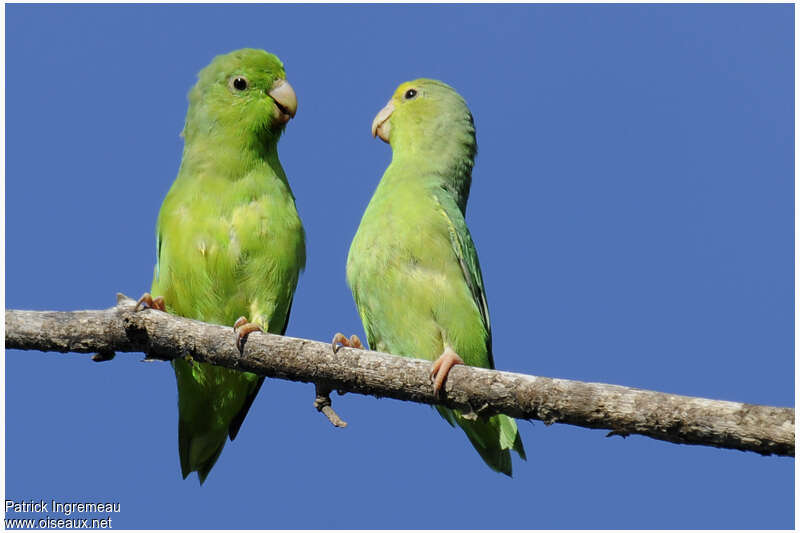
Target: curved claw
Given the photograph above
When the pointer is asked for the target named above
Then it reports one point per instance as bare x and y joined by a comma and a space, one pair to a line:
352, 342
441, 367
148, 301
243, 328
338, 339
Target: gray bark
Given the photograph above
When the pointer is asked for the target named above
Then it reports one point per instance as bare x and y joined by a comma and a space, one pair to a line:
622, 410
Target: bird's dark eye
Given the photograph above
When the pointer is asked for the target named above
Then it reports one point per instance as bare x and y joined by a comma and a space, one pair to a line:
411, 93
239, 83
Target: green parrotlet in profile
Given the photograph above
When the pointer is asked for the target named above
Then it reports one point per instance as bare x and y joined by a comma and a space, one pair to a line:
412, 266
229, 242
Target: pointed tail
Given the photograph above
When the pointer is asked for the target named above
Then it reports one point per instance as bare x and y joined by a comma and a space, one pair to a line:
493, 438
198, 452
212, 404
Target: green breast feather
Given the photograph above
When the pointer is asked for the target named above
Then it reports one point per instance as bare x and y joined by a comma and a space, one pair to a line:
412, 267
229, 240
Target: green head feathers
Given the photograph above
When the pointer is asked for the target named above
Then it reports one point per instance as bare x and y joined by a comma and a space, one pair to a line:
229, 241
244, 93
412, 266
425, 115
428, 121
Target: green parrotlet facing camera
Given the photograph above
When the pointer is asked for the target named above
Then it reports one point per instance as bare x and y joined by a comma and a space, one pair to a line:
412, 266
229, 242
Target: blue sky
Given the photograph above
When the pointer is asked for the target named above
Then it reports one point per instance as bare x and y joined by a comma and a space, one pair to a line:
632, 205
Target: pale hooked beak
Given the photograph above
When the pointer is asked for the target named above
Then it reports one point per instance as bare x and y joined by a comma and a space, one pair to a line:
381, 126
285, 99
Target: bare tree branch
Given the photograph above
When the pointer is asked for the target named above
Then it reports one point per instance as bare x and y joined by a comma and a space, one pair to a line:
622, 410
322, 403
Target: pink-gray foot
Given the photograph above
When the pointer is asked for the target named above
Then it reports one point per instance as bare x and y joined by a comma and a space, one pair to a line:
148, 301
441, 367
243, 328
352, 342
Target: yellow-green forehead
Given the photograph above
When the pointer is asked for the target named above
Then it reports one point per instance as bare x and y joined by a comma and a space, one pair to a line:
402, 88
419, 84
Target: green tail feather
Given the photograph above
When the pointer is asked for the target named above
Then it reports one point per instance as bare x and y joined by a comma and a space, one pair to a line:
201, 465
212, 403
492, 438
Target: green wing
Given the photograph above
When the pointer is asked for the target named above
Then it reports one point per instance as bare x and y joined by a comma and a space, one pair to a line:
236, 423
213, 402
495, 436
467, 255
